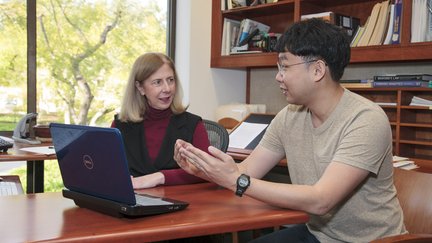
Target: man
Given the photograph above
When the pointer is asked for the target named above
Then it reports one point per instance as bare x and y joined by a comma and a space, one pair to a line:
338, 146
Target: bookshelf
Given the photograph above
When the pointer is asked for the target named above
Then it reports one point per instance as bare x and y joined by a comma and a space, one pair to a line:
411, 125
279, 14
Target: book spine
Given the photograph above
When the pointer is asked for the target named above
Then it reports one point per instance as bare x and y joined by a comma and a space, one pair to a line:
379, 78
244, 31
355, 81
395, 39
401, 84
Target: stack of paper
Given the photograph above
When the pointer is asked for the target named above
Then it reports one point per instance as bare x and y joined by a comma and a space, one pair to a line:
420, 101
244, 134
47, 150
403, 163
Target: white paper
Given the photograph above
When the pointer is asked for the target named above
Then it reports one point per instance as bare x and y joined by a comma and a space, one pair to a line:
403, 163
409, 167
7, 139
47, 150
399, 158
245, 133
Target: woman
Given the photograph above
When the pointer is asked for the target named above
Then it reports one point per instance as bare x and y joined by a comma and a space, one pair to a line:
152, 118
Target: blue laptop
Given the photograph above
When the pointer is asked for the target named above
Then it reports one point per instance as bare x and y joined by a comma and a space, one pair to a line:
95, 172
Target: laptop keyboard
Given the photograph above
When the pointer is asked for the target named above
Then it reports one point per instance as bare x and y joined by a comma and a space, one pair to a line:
8, 188
150, 201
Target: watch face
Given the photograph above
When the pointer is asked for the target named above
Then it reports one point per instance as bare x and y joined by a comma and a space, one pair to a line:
243, 181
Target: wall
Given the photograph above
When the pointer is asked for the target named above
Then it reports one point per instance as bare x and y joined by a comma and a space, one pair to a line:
205, 88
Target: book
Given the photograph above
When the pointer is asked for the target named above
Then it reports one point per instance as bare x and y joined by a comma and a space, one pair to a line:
370, 25
224, 37
380, 29
229, 32
415, 77
249, 37
397, 23
388, 36
356, 83
248, 26
401, 83
358, 35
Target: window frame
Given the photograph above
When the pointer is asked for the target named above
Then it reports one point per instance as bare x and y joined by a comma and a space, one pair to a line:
31, 50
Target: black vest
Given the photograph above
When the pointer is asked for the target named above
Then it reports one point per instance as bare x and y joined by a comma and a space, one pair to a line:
180, 126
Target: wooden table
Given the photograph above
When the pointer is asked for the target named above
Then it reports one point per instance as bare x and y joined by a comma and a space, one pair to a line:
35, 164
49, 217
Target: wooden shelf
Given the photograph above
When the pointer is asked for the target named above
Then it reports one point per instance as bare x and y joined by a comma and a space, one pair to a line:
411, 125
280, 14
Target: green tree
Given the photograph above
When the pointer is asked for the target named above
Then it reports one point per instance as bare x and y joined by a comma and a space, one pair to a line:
13, 44
87, 49
13, 66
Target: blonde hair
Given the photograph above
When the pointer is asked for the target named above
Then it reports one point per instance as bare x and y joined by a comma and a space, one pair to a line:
134, 105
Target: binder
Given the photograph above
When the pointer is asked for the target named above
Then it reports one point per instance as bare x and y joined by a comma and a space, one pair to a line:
253, 118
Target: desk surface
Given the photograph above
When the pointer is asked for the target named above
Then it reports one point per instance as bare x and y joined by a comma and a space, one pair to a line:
212, 210
15, 154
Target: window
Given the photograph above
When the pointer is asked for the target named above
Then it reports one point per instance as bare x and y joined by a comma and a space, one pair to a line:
84, 50
13, 63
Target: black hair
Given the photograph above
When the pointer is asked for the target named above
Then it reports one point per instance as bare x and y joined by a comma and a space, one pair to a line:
318, 39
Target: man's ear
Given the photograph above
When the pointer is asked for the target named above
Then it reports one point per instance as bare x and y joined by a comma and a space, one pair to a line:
319, 69
139, 87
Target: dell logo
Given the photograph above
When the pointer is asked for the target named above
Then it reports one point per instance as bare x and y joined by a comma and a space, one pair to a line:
88, 162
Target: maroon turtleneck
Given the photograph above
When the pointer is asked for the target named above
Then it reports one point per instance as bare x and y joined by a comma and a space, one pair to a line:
155, 125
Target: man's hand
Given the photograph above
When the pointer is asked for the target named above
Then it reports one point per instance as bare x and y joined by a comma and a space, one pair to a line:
217, 166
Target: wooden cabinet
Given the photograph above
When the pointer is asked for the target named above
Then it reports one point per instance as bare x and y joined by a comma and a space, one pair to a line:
280, 14
411, 125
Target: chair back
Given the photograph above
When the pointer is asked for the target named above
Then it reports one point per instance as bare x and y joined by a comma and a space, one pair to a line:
228, 122
217, 135
414, 191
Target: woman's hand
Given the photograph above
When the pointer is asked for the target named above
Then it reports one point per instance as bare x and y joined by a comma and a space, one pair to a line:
148, 181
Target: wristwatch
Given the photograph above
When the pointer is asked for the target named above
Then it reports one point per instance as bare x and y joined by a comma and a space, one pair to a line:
243, 183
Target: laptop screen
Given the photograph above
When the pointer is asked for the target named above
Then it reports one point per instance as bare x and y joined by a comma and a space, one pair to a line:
92, 160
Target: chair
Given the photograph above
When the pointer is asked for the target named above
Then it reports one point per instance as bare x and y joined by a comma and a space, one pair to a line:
217, 134
228, 122
415, 196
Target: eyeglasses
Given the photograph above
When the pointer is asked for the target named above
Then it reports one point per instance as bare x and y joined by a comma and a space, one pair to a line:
283, 68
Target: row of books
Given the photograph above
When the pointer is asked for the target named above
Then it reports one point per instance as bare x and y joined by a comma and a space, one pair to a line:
230, 4
382, 27
246, 36
421, 21
398, 80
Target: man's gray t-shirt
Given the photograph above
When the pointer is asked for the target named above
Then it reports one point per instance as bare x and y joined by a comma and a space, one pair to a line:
356, 133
